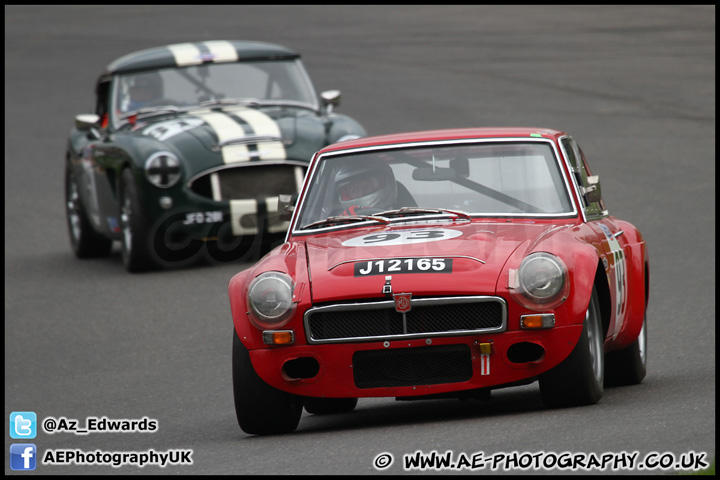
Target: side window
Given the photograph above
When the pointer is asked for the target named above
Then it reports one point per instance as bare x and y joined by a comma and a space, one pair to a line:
596, 208
102, 105
581, 172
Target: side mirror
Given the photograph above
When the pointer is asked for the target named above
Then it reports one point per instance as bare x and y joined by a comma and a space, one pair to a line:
85, 121
286, 205
592, 192
330, 99
89, 123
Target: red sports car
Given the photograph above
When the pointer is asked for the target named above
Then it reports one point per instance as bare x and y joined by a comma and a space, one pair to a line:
435, 264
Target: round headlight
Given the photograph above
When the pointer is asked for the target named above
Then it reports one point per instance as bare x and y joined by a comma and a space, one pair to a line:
270, 298
162, 169
542, 277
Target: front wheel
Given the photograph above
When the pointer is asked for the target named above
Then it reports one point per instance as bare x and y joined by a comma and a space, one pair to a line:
578, 380
85, 242
260, 408
136, 255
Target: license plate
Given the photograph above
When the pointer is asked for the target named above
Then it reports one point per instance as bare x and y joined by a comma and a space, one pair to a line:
403, 265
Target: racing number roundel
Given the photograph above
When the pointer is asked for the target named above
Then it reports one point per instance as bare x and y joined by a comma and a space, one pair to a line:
402, 237
619, 264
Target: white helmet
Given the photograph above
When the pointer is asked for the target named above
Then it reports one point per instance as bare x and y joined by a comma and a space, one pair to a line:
366, 184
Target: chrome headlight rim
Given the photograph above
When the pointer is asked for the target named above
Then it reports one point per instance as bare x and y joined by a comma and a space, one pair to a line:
171, 173
270, 300
543, 279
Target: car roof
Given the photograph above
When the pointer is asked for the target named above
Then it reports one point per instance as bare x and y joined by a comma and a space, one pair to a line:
198, 53
446, 134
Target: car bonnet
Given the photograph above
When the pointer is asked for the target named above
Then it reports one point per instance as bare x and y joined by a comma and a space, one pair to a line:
237, 134
442, 259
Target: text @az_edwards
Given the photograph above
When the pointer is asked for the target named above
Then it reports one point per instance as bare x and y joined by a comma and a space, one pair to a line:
99, 424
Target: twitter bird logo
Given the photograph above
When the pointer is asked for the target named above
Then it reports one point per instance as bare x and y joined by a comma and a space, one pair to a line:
23, 425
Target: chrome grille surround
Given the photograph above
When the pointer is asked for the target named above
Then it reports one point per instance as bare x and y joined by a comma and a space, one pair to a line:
252, 179
429, 317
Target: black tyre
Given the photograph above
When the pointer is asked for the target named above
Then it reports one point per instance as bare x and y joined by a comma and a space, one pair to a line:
628, 366
324, 406
136, 254
579, 379
85, 242
260, 408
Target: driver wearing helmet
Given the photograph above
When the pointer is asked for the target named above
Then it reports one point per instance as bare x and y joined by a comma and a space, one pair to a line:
368, 185
146, 88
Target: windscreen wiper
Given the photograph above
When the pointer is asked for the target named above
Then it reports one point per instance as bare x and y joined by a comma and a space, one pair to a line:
146, 112
338, 220
219, 102
404, 211
255, 102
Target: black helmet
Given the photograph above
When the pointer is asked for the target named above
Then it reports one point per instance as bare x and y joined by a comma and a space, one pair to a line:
368, 183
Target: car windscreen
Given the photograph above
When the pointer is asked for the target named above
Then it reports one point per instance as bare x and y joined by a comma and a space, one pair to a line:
277, 81
483, 179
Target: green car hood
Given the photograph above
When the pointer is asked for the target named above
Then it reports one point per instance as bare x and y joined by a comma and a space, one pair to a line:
210, 138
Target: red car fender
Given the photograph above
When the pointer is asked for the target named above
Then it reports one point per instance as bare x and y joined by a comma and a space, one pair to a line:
250, 336
287, 258
581, 261
636, 256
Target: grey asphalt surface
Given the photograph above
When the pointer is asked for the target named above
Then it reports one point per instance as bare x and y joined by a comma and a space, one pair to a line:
635, 85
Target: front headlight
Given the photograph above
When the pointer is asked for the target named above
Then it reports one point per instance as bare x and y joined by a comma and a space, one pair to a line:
542, 279
162, 169
270, 300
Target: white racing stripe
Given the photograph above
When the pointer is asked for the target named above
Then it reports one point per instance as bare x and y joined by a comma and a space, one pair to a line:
239, 209
299, 177
222, 51
275, 225
227, 129
272, 206
263, 125
186, 54
190, 54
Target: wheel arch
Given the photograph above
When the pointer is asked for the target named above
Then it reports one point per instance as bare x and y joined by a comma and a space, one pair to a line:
602, 287
118, 174
237, 291
647, 283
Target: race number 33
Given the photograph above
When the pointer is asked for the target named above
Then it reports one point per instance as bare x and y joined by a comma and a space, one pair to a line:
402, 237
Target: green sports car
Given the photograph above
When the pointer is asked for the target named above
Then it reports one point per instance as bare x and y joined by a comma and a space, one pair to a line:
188, 149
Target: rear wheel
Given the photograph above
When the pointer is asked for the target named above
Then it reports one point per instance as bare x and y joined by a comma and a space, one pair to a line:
136, 255
260, 408
628, 366
578, 380
324, 406
85, 242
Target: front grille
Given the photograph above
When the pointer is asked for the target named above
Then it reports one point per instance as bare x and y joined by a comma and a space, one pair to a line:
249, 180
403, 367
372, 321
